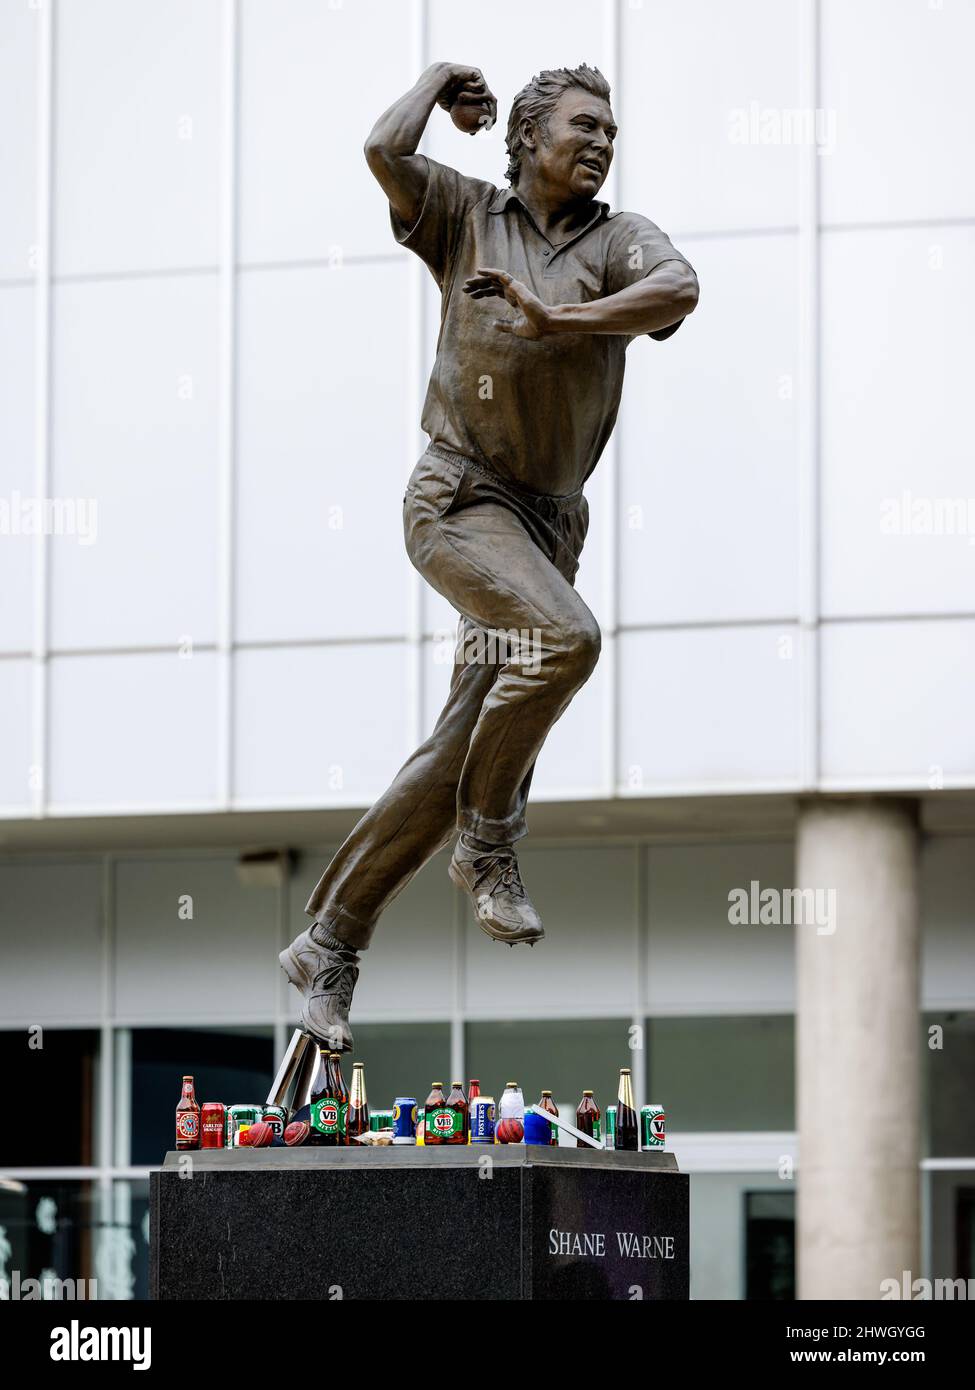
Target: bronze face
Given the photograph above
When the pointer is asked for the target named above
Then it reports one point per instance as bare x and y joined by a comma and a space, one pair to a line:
569, 153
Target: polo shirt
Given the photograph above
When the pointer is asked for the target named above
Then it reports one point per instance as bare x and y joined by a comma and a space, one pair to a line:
536, 412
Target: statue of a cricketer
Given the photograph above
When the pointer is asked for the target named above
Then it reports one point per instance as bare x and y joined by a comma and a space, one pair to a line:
543, 289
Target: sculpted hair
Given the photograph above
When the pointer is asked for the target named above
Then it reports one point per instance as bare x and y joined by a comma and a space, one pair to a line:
538, 100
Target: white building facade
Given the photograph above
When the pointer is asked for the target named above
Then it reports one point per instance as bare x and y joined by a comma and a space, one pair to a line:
212, 357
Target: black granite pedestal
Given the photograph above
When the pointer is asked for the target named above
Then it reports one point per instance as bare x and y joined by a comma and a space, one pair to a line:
502, 1222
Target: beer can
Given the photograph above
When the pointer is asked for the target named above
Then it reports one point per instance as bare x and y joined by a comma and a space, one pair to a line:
404, 1120
610, 1141
653, 1127
277, 1117
212, 1120
239, 1116
482, 1120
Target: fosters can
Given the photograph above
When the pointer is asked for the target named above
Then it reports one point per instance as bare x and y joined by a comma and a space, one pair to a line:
240, 1117
482, 1120
653, 1127
404, 1120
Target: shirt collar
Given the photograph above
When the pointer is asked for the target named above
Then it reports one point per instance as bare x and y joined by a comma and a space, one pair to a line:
504, 197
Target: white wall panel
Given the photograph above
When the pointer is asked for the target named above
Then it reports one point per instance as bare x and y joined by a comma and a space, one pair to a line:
897, 702
50, 942
948, 915
167, 963
135, 430
319, 724
587, 900
698, 962
16, 751
708, 492
708, 708
323, 457
133, 731
695, 76
20, 27
898, 492
409, 969
314, 78
548, 36
16, 466
897, 74
137, 134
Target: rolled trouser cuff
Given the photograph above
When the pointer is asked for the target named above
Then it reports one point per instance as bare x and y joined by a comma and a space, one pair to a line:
345, 927
494, 832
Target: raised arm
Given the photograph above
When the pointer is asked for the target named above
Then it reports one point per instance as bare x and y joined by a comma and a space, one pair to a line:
651, 305
391, 147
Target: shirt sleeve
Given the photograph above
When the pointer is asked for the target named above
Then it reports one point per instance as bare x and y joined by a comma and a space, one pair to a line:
638, 247
435, 233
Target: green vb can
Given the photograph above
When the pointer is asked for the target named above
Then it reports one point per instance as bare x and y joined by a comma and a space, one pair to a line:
610, 1141
653, 1121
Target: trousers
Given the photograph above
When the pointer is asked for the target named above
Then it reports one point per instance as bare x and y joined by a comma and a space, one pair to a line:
506, 561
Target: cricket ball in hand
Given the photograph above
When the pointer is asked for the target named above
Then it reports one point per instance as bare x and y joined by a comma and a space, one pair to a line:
261, 1134
297, 1133
470, 117
510, 1132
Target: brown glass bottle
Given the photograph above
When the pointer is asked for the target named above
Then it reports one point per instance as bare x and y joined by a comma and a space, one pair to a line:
357, 1115
341, 1093
188, 1117
435, 1126
587, 1118
627, 1132
547, 1103
457, 1102
324, 1106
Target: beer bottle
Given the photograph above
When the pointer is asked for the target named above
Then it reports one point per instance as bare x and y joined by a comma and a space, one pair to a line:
341, 1093
434, 1113
547, 1103
627, 1134
473, 1091
187, 1118
587, 1118
357, 1115
457, 1104
324, 1119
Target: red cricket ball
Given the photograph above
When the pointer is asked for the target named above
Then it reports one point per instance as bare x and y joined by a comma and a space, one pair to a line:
510, 1132
471, 118
297, 1133
260, 1135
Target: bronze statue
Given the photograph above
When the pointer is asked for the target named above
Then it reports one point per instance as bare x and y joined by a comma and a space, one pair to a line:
543, 289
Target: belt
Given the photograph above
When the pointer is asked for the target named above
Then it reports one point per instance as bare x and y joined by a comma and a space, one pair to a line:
547, 506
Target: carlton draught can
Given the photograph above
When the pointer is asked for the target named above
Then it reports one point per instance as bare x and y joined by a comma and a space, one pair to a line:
482, 1120
404, 1120
653, 1127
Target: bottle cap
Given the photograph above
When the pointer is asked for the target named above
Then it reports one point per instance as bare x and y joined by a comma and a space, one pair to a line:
624, 1071
357, 1064
587, 1093
512, 1083
546, 1093
456, 1083
437, 1085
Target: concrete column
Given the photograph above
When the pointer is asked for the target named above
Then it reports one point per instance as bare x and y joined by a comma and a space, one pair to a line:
858, 1048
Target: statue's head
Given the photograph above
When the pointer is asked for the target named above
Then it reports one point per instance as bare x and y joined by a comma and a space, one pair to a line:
561, 128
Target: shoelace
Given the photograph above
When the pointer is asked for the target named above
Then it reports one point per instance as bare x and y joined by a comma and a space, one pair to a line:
509, 877
339, 980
